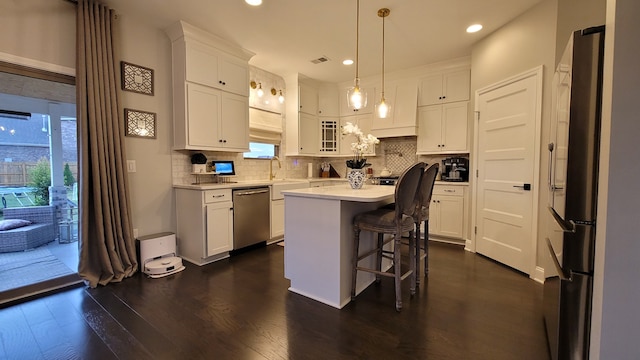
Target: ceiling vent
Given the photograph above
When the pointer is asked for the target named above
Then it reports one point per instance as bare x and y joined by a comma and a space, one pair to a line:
320, 60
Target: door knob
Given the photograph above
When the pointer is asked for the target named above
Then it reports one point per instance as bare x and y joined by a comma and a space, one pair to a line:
526, 187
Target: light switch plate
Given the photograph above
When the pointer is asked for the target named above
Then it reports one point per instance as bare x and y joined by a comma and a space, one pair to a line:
131, 166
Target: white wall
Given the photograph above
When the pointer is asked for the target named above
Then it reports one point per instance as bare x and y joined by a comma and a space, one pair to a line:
39, 29
574, 15
152, 200
523, 44
616, 319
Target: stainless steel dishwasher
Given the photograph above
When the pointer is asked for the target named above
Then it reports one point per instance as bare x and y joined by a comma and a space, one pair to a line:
251, 222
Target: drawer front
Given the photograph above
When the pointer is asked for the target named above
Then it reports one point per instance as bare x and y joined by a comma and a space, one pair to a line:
448, 190
213, 196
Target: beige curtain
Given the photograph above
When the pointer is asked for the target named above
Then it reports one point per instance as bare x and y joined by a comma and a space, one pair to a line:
107, 246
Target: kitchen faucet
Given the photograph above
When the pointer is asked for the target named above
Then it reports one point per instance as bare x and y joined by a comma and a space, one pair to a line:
271, 175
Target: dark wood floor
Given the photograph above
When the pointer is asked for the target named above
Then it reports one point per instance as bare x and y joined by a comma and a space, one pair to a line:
239, 308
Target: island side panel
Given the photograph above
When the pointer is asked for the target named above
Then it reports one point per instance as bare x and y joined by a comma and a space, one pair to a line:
312, 248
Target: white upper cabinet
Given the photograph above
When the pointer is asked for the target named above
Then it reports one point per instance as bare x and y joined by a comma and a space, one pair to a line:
217, 121
210, 91
443, 128
445, 87
207, 66
402, 121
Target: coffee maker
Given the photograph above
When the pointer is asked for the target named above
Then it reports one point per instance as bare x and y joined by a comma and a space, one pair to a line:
455, 169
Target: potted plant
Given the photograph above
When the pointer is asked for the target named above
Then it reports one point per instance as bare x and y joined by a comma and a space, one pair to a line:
199, 163
362, 145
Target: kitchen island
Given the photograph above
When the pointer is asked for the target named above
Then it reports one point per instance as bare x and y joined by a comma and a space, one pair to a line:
319, 239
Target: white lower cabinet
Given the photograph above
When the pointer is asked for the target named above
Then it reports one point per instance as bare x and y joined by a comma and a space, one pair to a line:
277, 218
277, 206
447, 214
204, 224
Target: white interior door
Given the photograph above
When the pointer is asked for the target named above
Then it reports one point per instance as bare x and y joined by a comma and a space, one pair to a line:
507, 141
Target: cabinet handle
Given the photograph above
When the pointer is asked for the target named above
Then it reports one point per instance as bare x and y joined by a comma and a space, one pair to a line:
220, 140
449, 190
224, 141
444, 97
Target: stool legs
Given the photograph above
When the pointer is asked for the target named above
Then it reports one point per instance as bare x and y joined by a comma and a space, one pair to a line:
354, 261
379, 256
397, 271
426, 247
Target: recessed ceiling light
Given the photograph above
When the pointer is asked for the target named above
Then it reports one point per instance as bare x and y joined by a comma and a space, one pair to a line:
474, 28
347, 62
253, 2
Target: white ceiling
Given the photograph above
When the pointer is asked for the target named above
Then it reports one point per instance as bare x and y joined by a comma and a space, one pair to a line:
287, 34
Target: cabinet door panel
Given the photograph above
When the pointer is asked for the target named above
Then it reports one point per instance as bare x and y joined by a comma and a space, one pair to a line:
454, 127
430, 128
308, 100
277, 218
430, 90
309, 134
328, 102
219, 228
203, 111
234, 76
201, 65
451, 211
456, 86
234, 122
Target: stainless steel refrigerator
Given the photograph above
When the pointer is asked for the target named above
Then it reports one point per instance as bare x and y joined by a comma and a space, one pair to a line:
573, 183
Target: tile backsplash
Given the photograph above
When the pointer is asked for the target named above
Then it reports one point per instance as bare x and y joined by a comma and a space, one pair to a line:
395, 154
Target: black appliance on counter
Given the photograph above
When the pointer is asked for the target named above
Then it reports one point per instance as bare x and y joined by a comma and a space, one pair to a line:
385, 180
573, 185
455, 169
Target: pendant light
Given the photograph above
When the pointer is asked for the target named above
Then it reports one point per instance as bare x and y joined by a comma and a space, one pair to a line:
383, 107
356, 97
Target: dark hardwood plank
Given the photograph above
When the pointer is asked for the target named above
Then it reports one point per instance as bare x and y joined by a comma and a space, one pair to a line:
468, 308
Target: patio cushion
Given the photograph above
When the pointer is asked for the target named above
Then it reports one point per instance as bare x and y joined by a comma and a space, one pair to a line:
13, 224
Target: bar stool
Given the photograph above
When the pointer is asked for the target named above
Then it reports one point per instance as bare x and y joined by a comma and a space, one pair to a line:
395, 221
425, 192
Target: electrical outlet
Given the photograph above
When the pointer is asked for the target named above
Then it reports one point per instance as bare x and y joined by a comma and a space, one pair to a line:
135, 233
131, 166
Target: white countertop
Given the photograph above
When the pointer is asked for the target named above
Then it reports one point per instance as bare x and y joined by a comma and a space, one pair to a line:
251, 183
368, 193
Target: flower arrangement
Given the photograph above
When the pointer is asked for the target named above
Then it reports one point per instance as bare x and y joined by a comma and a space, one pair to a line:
362, 145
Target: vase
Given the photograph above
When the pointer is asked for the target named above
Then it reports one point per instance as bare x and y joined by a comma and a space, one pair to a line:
356, 178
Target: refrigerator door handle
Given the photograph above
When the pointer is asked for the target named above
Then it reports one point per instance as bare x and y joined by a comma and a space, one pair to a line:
549, 182
561, 273
567, 226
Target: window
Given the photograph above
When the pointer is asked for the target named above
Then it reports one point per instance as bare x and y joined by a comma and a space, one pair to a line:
261, 151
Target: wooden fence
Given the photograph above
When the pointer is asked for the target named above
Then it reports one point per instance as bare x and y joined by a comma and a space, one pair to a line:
17, 174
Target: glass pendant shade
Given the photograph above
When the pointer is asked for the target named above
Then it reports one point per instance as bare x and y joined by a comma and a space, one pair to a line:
357, 97
383, 108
